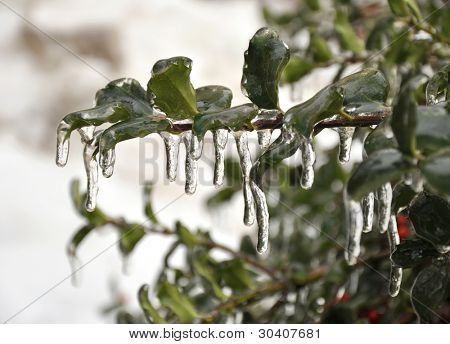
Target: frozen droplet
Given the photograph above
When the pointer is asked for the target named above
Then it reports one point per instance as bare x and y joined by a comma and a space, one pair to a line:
308, 160
172, 145
190, 164
396, 273
220, 138
262, 217
384, 198
246, 165
107, 161
345, 142
354, 229
264, 137
367, 208
62, 144
91, 167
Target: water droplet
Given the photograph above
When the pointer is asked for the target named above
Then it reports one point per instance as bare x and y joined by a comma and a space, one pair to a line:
172, 145
220, 138
107, 161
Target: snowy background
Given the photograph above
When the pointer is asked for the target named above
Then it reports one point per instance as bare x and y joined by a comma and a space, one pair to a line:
41, 82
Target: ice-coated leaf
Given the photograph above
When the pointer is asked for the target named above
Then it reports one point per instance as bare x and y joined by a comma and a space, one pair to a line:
213, 98
129, 237
380, 138
378, 169
429, 291
170, 87
411, 253
433, 127
436, 169
430, 217
126, 90
234, 119
171, 297
265, 59
366, 86
151, 314
348, 37
438, 87
296, 69
402, 195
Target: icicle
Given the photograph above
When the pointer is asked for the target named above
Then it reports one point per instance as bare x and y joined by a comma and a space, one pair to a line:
172, 144
220, 137
264, 137
395, 278
196, 147
190, 164
345, 142
367, 208
246, 165
384, 197
62, 144
308, 159
107, 161
91, 167
262, 217
86, 133
75, 266
355, 226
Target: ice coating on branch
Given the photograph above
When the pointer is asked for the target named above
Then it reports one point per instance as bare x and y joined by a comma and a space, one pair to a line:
367, 209
62, 144
345, 142
172, 145
384, 198
262, 217
308, 160
395, 278
264, 137
354, 229
220, 138
190, 164
246, 165
91, 167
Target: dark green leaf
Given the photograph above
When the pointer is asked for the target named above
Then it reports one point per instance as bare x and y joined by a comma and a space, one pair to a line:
411, 253
186, 236
148, 208
436, 169
130, 237
221, 197
401, 197
204, 266
247, 246
265, 59
429, 291
405, 8
78, 238
319, 48
170, 297
126, 90
379, 168
170, 87
349, 39
235, 275
150, 312
380, 138
213, 98
438, 87
433, 127
296, 69
430, 216
380, 33
313, 4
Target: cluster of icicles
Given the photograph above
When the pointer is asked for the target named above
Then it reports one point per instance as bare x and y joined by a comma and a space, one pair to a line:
360, 215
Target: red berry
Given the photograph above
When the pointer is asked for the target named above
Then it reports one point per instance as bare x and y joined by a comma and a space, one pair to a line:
402, 220
373, 316
344, 298
404, 232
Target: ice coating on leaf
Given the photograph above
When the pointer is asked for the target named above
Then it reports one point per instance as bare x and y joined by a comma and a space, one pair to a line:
308, 160
190, 164
91, 167
264, 137
262, 217
395, 278
354, 229
384, 198
246, 165
345, 142
368, 211
62, 144
172, 145
107, 161
220, 138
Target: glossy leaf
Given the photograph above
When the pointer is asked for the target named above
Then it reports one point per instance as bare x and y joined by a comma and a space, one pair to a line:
379, 168
348, 37
171, 298
213, 98
402, 196
170, 87
78, 238
433, 127
265, 59
411, 253
235, 119
430, 216
380, 138
438, 87
151, 314
429, 291
126, 90
130, 237
436, 169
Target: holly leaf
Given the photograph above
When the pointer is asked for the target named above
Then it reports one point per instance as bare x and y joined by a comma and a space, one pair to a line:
151, 314
436, 169
411, 253
170, 87
171, 298
213, 98
265, 59
349, 39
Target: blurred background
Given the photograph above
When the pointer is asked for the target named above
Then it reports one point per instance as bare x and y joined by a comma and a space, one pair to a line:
55, 55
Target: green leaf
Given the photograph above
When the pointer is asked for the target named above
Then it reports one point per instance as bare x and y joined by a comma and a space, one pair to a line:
171, 298
148, 208
405, 8
235, 119
95, 218
213, 98
247, 246
381, 32
402, 196
436, 169
429, 291
296, 69
319, 48
433, 127
265, 59
380, 138
379, 168
438, 87
313, 4
349, 39
235, 275
411, 253
170, 87
78, 238
129, 237
203, 266
151, 314
221, 197
430, 216
186, 236
126, 90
